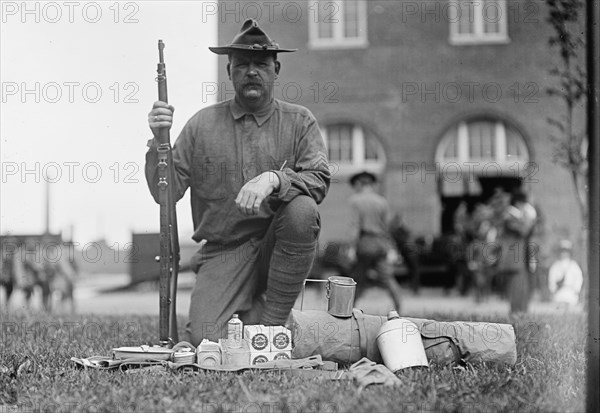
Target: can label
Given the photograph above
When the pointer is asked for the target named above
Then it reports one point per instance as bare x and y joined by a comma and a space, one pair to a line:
281, 341
260, 359
260, 341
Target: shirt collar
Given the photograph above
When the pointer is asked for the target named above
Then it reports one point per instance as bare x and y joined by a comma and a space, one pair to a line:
261, 117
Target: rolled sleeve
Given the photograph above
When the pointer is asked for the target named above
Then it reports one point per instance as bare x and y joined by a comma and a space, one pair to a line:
311, 175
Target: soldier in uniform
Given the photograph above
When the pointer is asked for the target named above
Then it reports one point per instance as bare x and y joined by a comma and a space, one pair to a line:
373, 246
257, 168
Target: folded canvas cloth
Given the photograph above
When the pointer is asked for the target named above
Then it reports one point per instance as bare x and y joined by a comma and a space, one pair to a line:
108, 363
366, 372
97, 362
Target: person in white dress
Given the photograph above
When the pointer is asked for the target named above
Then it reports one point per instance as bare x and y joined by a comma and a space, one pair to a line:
565, 278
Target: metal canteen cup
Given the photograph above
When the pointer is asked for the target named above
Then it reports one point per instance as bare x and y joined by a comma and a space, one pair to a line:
340, 296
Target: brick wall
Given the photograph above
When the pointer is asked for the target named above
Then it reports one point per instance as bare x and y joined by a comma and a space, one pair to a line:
375, 87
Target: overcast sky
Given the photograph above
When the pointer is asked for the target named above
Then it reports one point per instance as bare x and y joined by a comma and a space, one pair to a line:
78, 79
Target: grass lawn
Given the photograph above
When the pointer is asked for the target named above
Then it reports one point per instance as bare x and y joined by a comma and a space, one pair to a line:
37, 375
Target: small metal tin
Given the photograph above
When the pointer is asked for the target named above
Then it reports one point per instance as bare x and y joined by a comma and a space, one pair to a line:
340, 296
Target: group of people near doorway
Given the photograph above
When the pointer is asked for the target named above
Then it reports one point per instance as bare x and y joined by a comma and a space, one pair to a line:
503, 250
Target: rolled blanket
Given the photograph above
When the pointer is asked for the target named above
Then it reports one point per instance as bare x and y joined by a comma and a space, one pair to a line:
347, 340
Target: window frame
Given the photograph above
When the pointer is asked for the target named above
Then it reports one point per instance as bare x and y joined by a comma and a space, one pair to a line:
478, 36
339, 40
457, 173
500, 147
359, 144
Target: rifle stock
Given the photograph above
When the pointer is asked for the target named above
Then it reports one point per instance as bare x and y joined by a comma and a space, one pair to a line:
169, 238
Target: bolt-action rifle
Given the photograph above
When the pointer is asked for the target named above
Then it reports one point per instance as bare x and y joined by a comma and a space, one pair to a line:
169, 240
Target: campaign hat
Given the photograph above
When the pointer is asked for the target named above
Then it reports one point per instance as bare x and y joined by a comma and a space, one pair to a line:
363, 176
251, 37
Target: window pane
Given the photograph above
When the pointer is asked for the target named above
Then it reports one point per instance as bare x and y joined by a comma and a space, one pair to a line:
371, 149
350, 18
466, 24
346, 143
514, 146
481, 140
325, 20
340, 143
451, 151
325, 30
334, 144
491, 16
474, 140
487, 140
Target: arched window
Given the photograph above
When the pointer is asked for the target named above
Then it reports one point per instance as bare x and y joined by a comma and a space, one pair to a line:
483, 141
351, 148
480, 148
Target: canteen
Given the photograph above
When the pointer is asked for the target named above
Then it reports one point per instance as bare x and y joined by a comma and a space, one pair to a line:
400, 344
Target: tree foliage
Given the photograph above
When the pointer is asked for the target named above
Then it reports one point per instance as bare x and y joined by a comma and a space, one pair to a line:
570, 143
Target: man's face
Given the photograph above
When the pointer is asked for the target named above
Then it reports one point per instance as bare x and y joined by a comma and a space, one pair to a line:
253, 75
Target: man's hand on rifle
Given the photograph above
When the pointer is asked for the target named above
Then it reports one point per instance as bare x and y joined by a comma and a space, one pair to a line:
254, 192
161, 116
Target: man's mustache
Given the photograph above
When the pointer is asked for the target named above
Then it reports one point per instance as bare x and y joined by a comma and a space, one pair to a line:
257, 83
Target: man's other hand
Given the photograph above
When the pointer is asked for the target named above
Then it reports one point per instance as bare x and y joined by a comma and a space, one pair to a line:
161, 116
254, 192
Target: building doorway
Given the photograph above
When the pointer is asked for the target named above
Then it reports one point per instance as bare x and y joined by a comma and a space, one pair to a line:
474, 157
488, 185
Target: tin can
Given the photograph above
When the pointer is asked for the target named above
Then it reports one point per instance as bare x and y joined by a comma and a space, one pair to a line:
340, 296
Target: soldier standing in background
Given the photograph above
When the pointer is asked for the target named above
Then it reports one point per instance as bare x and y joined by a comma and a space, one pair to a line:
372, 243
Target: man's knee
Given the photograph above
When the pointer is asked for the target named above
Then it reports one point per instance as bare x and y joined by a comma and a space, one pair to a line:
299, 220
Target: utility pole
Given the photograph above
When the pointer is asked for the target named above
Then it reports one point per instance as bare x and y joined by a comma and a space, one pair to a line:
593, 127
47, 211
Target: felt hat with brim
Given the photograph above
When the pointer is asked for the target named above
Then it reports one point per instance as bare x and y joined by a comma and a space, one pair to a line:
251, 38
364, 176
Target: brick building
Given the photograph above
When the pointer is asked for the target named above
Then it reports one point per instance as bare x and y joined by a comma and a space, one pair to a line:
445, 99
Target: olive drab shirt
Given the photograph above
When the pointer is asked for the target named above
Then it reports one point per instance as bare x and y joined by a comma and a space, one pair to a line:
221, 148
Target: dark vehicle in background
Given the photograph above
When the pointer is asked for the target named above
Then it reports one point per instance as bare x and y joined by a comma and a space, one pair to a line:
145, 267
